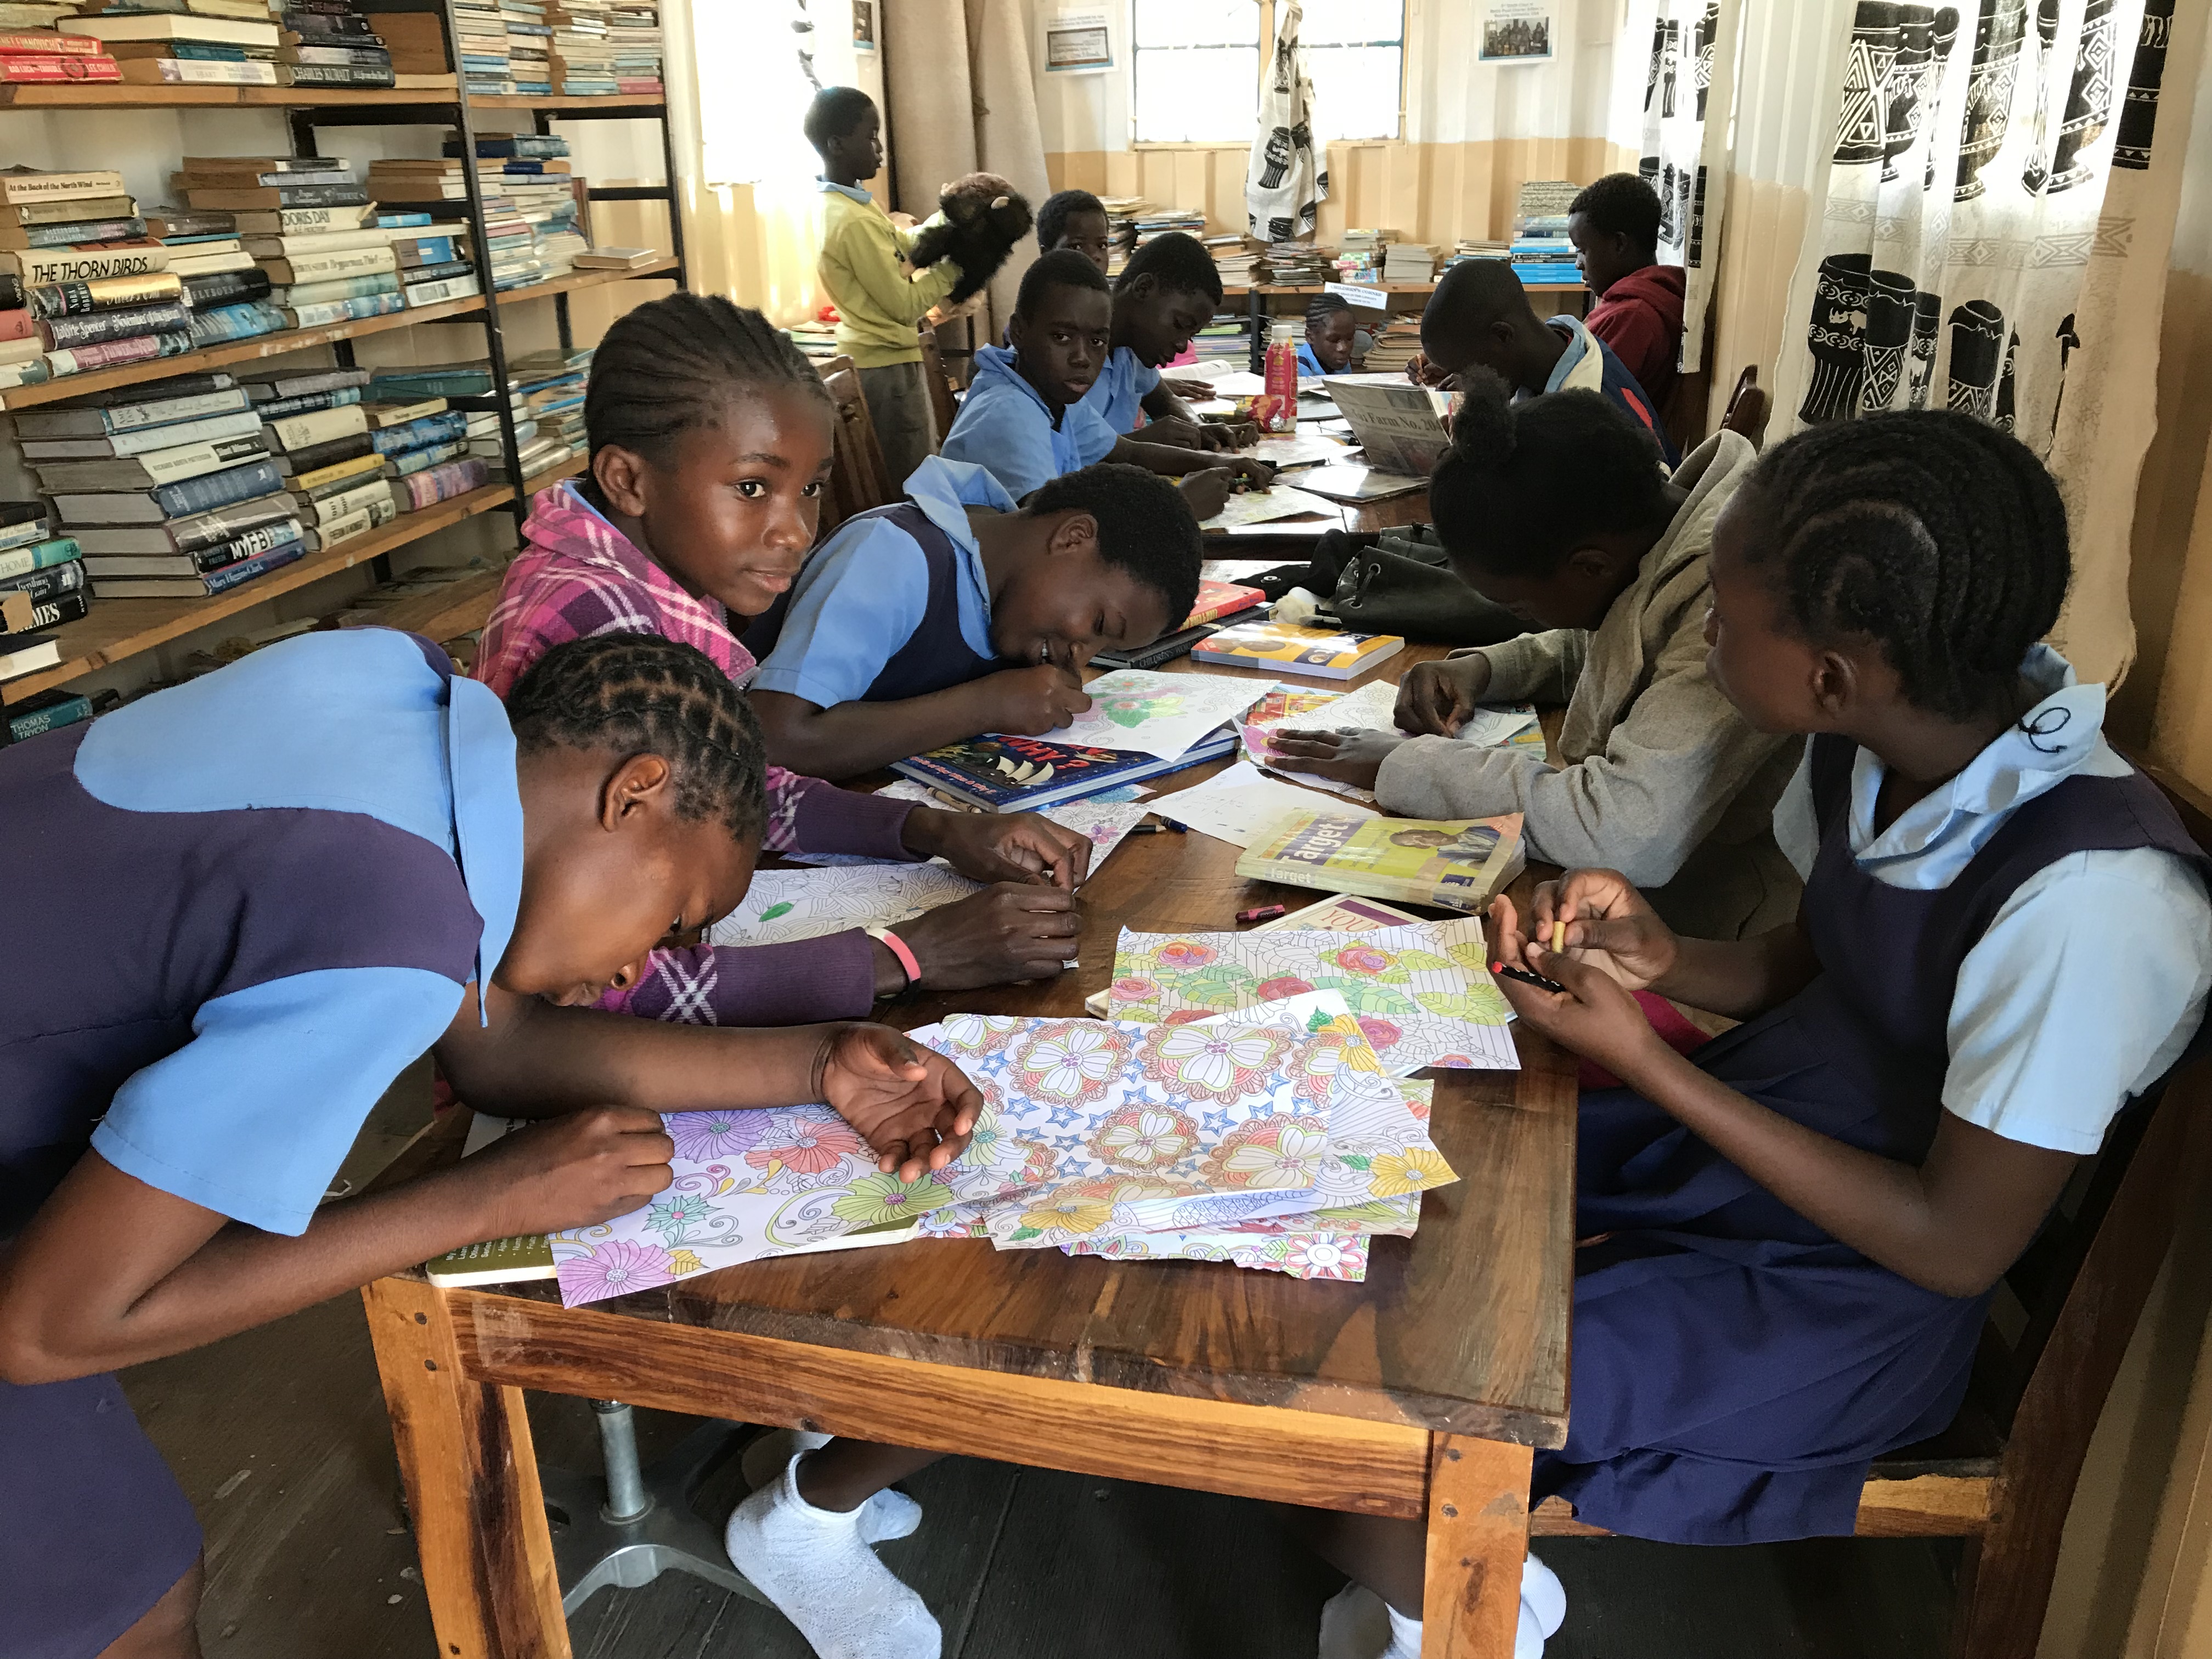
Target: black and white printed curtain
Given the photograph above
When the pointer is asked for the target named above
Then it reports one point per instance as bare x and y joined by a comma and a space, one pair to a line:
1285, 181
1688, 92
1951, 261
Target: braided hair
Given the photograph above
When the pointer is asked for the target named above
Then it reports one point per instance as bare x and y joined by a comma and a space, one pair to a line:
673, 363
1934, 534
640, 694
1525, 484
1321, 308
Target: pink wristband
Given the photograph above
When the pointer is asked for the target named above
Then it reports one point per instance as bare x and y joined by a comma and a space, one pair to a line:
897, 946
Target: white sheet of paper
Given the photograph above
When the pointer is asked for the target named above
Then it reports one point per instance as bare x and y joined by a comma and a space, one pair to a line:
1107, 822
1265, 505
1155, 713
1235, 804
1295, 448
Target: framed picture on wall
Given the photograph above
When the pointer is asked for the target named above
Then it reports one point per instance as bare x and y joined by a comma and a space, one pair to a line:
1516, 31
864, 25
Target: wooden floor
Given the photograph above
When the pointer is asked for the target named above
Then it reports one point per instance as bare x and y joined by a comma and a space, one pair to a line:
279, 1438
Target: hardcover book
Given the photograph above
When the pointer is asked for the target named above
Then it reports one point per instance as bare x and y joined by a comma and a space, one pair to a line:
1008, 774
1458, 864
1283, 648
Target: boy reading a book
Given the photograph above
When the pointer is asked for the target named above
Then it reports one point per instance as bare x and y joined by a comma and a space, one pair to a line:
1075, 220
1479, 317
285, 881
1026, 420
1168, 291
863, 270
1553, 507
931, 621
1614, 226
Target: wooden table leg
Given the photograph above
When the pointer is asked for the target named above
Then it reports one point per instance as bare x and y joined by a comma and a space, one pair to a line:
1478, 1536
471, 1476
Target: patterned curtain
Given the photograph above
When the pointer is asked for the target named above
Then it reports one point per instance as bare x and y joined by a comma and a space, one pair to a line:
1285, 181
1689, 88
1964, 205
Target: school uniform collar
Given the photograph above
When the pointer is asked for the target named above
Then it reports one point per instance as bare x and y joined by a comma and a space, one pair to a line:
854, 191
487, 798
2062, 734
1000, 364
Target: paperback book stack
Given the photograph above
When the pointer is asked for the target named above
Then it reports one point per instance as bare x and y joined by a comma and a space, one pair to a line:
1154, 222
168, 488
307, 229
552, 387
462, 470
325, 43
416, 41
529, 45
1477, 247
341, 463
57, 229
1541, 250
41, 585
1409, 262
19, 335
480, 35
39, 56
633, 32
512, 241
1295, 264
435, 261
528, 177
223, 43
340, 501
1234, 258
1361, 255
583, 54
1121, 212
435, 180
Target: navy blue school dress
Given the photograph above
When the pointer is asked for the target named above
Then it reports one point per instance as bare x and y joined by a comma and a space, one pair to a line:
252, 901
1736, 1369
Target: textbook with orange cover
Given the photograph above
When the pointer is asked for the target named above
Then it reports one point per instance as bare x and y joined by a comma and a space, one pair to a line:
1220, 599
1457, 863
1283, 648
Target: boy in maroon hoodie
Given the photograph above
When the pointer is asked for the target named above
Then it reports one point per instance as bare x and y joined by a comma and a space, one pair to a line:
1614, 226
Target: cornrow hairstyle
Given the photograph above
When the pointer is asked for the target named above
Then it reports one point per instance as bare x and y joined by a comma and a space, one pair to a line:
1059, 207
1061, 267
1145, 526
640, 694
1322, 306
1179, 263
1525, 484
674, 363
835, 112
1620, 204
1934, 534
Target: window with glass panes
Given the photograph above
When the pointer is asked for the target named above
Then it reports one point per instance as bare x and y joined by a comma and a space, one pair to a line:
1196, 67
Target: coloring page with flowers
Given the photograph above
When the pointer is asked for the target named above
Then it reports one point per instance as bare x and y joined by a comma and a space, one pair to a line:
747, 1184
1104, 819
1422, 994
1373, 708
1155, 713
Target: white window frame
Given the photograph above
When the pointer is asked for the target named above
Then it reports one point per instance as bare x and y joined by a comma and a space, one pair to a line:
1266, 11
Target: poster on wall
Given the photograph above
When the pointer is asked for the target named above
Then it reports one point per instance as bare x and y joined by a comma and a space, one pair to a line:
1516, 31
864, 25
1077, 43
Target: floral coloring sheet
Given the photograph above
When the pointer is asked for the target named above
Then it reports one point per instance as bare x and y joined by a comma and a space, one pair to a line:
1240, 803
1422, 994
747, 1184
1373, 708
1105, 819
1160, 714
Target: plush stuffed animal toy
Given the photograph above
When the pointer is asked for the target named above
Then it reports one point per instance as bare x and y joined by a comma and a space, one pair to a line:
980, 221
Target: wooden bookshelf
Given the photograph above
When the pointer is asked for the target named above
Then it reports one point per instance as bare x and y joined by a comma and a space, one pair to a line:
457, 607
576, 279
120, 628
235, 351
79, 95
552, 475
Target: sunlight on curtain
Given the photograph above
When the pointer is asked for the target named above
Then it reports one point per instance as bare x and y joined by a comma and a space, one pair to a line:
755, 148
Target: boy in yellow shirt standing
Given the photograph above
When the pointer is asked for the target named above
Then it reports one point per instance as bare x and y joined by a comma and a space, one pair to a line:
863, 269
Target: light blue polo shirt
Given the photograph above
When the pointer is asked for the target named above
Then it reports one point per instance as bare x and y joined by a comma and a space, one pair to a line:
1118, 397
2093, 977
860, 598
1006, 427
824, 186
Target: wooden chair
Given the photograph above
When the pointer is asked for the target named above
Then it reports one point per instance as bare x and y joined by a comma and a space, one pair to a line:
858, 478
2003, 1475
1748, 407
942, 406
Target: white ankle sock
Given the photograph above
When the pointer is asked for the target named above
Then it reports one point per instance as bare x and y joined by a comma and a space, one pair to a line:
1353, 1621
812, 1565
1405, 1636
886, 1515
1543, 1595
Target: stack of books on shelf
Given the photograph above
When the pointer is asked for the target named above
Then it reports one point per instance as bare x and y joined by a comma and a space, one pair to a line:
1153, 222
402, 179
416, 42
456, 470
816, 339
168, 488
337, 499
1295, 264
308, 231
529, 46
552, 387
347, 462
512, 241
1540, 250
224, 43
1361, 255
42, 583
59, 231
50, 711
1396, 343
325, 43
1477, 248
43, 56
434, 263
583, 55
634, 34
480, 35
531, 175
1121, 212
1409, 262
1235, 259
1226, 339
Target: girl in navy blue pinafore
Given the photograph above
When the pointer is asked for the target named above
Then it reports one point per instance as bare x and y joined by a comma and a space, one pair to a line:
1791, 1237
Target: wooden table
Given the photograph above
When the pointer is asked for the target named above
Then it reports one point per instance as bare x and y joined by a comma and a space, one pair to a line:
1418, 1393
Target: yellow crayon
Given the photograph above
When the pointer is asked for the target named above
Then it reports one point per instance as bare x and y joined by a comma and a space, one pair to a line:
1558, 937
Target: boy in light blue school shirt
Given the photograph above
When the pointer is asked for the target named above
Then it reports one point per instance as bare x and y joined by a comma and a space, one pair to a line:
2019, 1067
1007, 426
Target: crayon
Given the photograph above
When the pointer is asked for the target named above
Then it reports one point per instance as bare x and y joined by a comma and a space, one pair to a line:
1558, 937
1263, 913
1526, 977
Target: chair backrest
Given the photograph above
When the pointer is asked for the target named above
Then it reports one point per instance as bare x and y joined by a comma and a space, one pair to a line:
942, 407
857, 477
1747, 407
2081, 1285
